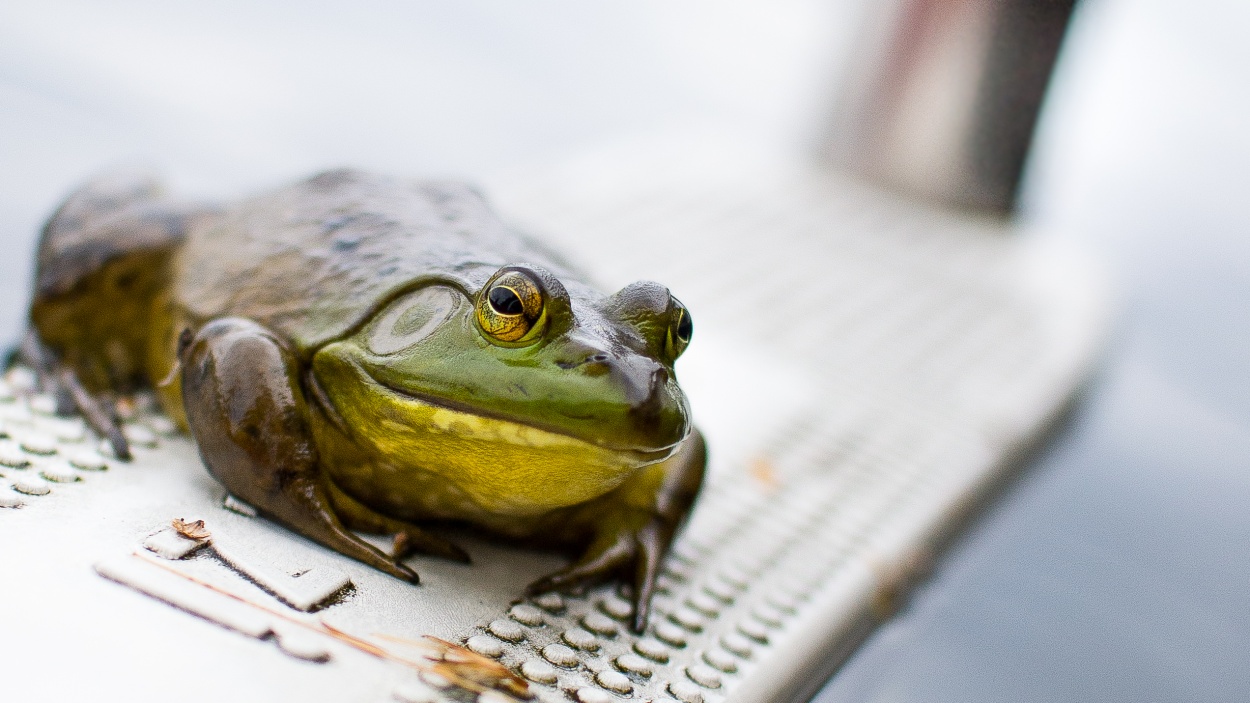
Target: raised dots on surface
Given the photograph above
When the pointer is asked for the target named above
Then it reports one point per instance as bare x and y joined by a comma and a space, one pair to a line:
29, 483
688, 618
705, 604
704, 675
670, 633
600, 624
737, 644
634, 664
614, 681
538, 671
593, 695
686, 692
720, 659
12, 455
59, 472
526, 614
37, 443
616, 607
485, 645
754, 630
768, 615
506, 630
550, 602
560, 655
581, 639
652, 649
86, 459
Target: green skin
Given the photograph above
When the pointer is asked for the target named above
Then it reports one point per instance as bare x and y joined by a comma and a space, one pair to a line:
334, 349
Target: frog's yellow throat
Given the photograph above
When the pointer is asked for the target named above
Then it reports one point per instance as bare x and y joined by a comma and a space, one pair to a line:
454, 464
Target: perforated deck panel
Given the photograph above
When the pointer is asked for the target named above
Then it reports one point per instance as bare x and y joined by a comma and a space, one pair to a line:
863, 369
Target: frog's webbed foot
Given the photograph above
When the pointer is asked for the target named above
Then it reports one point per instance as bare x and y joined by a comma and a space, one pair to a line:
414, 540
634, 526
610, 555
409, 539
58, 379
248, 414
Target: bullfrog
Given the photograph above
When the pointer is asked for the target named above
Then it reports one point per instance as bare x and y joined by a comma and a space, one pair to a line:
361, 353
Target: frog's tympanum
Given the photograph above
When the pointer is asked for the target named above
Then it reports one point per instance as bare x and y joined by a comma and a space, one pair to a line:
362, 353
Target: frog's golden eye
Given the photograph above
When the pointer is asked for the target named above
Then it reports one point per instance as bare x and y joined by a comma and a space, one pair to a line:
681, 329
509, 307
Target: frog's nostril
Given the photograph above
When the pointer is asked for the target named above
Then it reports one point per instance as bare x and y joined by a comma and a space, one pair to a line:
595, 360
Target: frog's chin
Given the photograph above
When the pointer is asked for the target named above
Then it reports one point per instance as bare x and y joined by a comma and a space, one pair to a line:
429, 459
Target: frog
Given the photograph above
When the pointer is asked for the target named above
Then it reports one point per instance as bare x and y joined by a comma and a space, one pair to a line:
360, 353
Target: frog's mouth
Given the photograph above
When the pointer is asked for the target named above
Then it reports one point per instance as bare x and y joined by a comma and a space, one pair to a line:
484, 425
495, 425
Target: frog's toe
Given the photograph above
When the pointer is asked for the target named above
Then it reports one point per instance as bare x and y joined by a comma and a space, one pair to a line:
416, 541
393, 567
59, 379
321, 526
402, 572
651, 543
96, 414
598, 564
385, 564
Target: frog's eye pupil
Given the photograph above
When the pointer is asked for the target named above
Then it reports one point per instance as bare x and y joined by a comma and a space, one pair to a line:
510, 307
685, 326
505, 301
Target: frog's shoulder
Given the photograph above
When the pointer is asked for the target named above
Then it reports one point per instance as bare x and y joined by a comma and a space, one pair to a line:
312, 260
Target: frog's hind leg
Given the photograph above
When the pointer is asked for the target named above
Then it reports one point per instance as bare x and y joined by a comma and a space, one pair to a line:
249, 416
62, 383
409, 539
102, 262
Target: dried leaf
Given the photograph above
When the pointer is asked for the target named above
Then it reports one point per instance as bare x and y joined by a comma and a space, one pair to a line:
191, 530
465, 668
361, 644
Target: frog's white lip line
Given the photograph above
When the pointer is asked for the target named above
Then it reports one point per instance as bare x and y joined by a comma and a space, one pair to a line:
642, 454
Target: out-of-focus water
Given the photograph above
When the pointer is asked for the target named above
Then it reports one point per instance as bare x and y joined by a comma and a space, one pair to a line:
1118, 567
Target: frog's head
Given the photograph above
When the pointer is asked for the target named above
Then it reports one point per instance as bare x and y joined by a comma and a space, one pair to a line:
525, 371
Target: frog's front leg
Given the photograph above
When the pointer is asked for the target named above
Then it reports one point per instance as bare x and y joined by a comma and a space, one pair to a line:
634, 525
246, 409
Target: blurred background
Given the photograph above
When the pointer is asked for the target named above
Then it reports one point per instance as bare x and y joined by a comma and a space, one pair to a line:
1117, 568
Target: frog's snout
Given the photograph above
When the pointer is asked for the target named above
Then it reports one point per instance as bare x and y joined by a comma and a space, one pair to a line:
652, 410
655, 413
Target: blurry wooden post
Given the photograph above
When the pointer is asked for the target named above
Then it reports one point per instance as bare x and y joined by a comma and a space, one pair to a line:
944, 96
